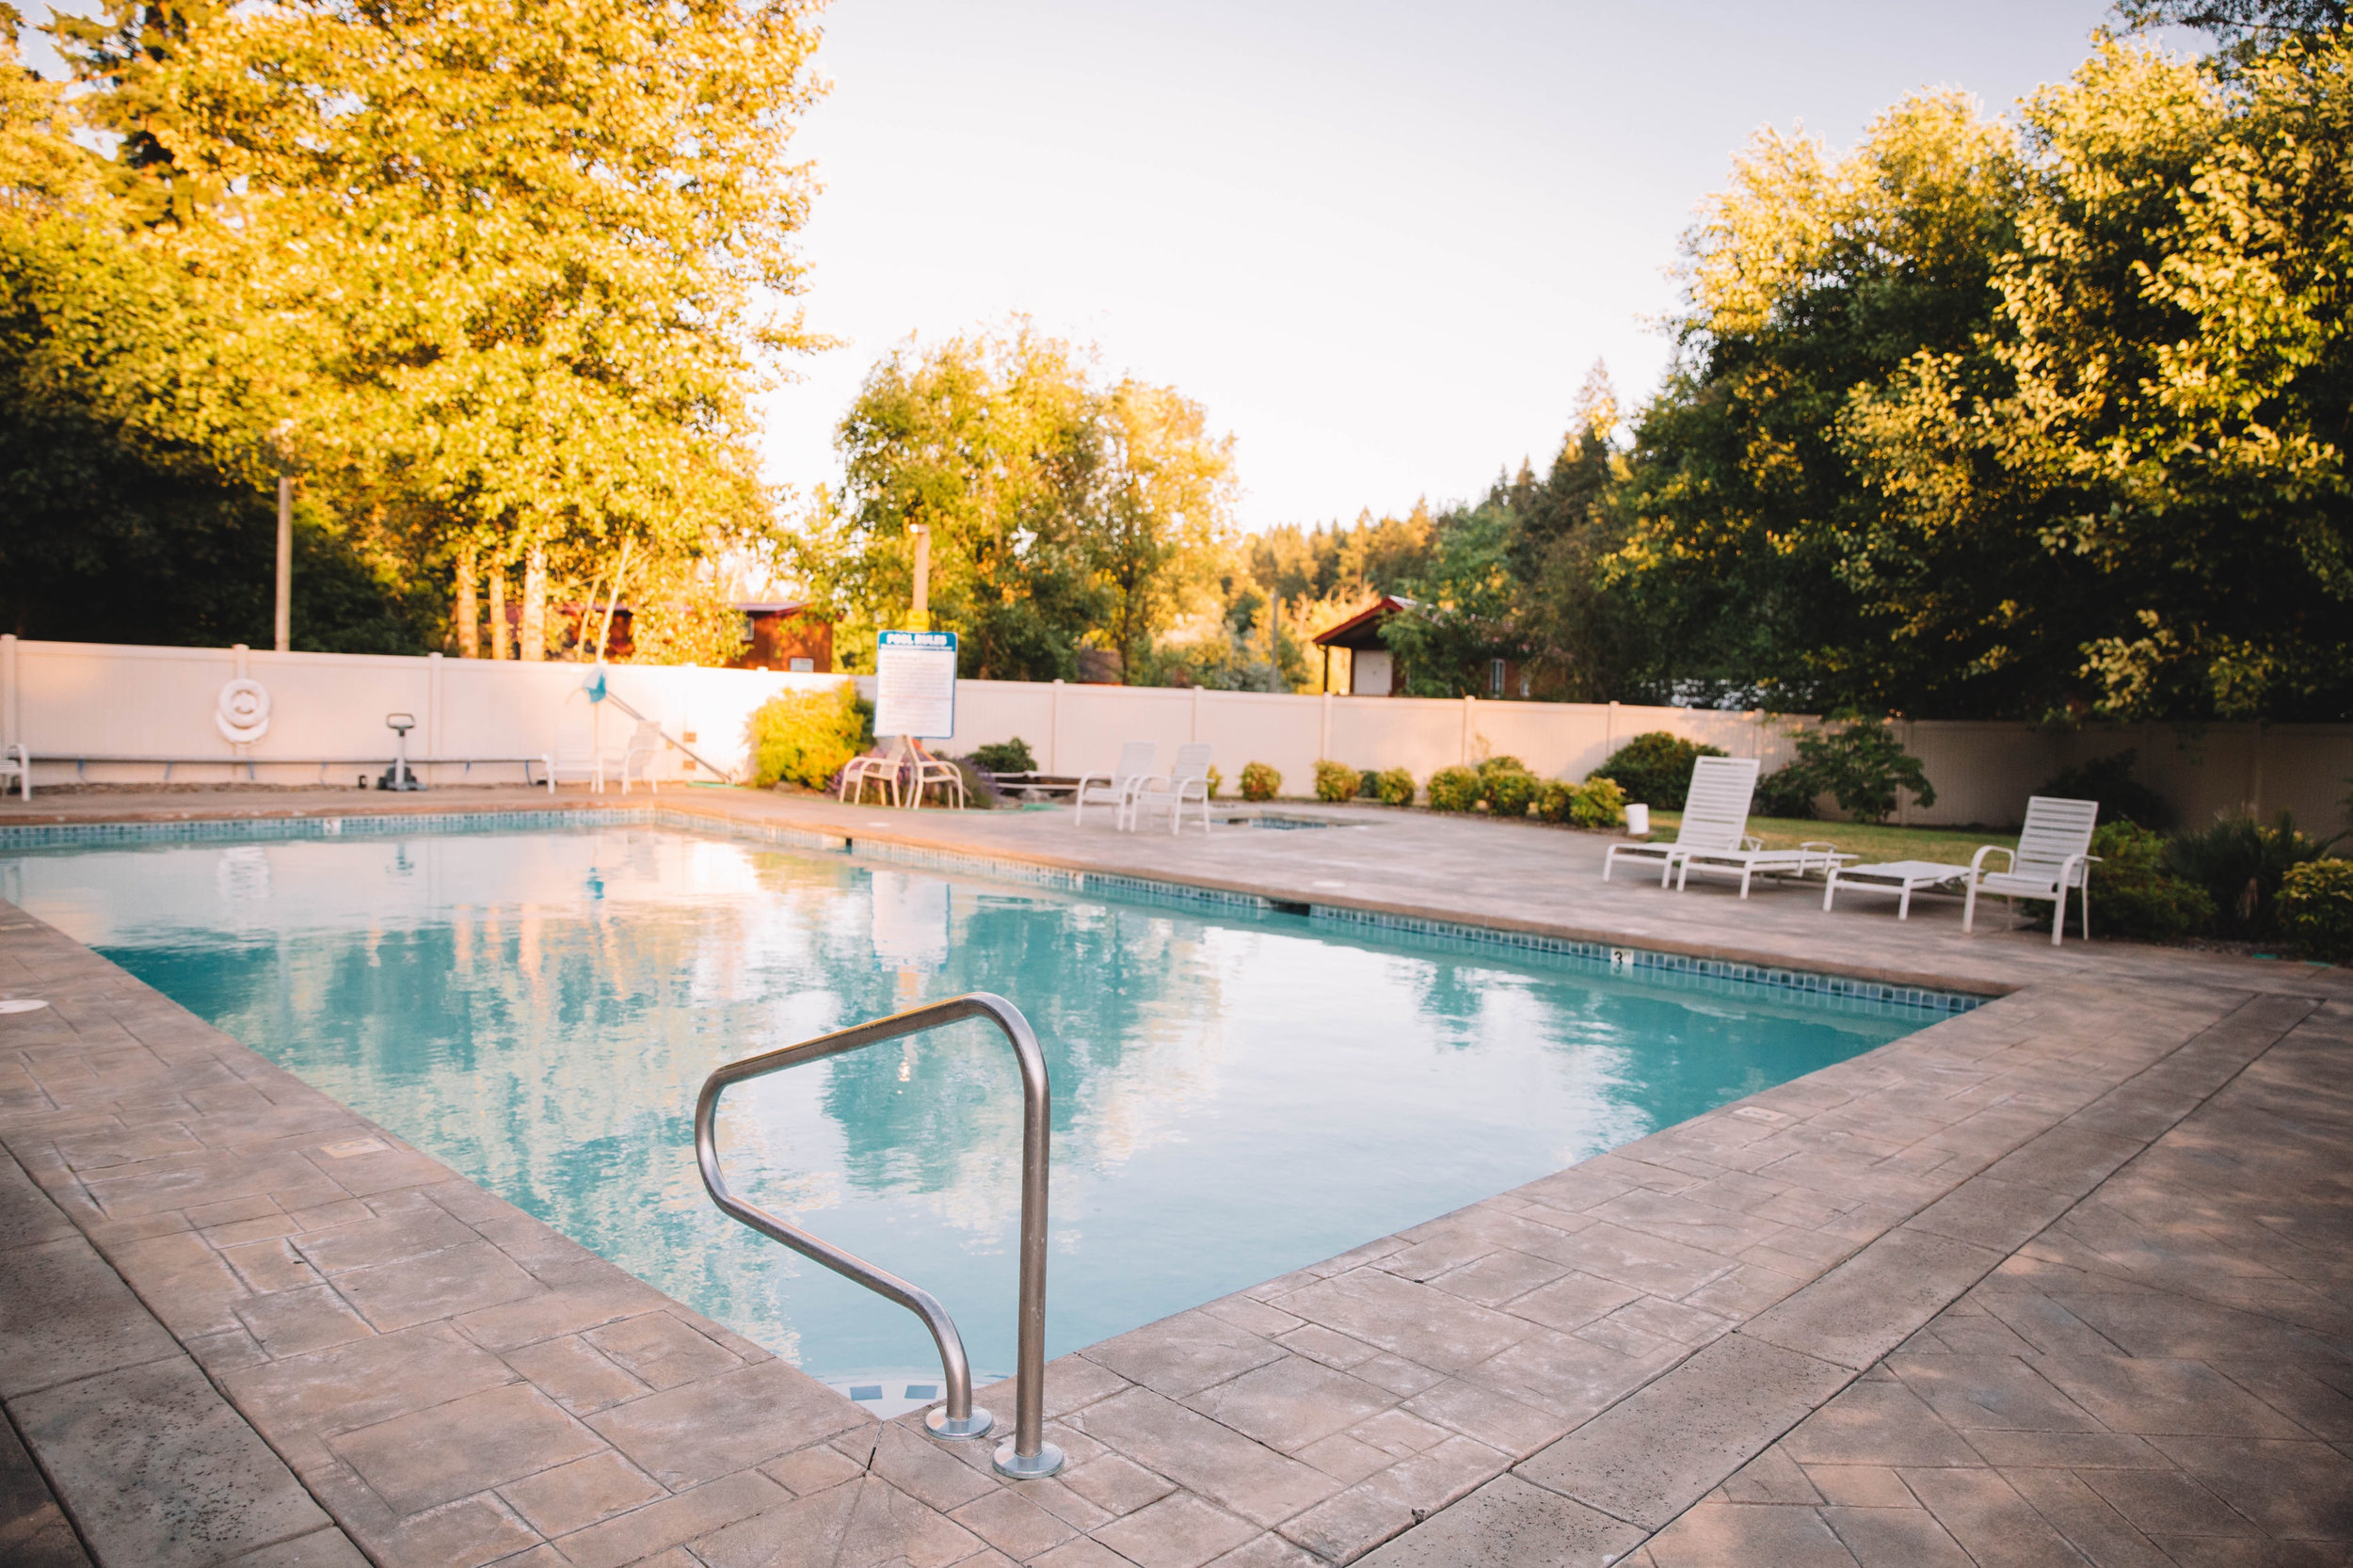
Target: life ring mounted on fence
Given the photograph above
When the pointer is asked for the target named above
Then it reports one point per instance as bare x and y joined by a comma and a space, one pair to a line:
243, 712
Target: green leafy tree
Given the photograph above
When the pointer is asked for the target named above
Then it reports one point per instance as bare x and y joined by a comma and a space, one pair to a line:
496, 279
1060, 510
988, 443
1810, 276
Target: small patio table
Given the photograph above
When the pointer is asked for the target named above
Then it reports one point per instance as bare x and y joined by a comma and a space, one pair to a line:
1893, 876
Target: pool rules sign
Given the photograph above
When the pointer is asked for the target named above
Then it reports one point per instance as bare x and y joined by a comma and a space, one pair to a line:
915, 684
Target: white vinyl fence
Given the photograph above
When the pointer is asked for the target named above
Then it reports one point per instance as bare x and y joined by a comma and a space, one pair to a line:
107, 712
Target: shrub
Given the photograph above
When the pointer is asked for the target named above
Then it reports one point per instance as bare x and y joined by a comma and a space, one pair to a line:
2109, 781
1006, 756
1259, 781
2241, 863
1217, 782
2315, 908
1335, 781
1656, 768
1510, 791
1369, 785
806, 736
2134, 892
1453, 790
1597, 803
1787, 792
1861, 766
1396, 786
980, 794
1494, 765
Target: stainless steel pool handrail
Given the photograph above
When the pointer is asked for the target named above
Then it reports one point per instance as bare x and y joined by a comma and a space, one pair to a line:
1028, 1455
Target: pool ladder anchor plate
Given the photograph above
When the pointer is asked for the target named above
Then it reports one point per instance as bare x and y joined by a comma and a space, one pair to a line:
1027, 1455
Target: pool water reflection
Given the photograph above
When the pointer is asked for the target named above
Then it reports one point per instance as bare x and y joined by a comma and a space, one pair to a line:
1235, 1097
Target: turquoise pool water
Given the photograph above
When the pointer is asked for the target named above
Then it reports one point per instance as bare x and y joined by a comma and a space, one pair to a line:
1235, 1096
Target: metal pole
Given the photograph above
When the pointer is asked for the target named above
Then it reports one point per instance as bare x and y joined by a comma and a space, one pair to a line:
1028, 1455
284, 624
922, 617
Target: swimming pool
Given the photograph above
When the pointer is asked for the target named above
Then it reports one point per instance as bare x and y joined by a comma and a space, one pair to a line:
1235, 1095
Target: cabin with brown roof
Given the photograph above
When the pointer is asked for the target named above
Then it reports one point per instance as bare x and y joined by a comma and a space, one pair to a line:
1373, 670
785, 636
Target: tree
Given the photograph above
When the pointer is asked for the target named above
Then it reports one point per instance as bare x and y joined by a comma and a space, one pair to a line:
1060, 510
2243, 29
2142, 493
1166, 494
495, 274
1809, 277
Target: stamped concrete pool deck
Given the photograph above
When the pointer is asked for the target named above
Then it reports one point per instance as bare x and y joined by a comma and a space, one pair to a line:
2062, 1279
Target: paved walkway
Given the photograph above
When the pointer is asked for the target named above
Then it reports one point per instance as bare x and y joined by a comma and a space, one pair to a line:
2165, 1375
349, 1345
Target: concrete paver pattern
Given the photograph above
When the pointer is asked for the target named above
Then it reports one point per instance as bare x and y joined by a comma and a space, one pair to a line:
2165, 1375
1553, 1375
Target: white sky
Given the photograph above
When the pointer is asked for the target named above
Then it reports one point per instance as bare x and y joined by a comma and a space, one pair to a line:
1380, 244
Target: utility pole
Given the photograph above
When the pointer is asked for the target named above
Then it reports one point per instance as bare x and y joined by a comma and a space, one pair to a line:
284, 638
921, 619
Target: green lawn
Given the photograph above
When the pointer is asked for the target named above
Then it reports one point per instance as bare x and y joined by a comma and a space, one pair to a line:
1873, 842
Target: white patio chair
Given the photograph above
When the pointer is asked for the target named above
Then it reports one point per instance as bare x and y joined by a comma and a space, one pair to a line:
638, 758
877, 767
1112, 789
1188, 778
19, 767
2054, 855
1715, 816
576, 756
930, 770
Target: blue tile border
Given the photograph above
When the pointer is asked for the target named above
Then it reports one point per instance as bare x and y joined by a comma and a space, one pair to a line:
1459, 934
359, 826
1622, 959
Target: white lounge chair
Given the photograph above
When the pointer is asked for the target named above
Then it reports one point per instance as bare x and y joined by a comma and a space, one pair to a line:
2054, 855
1188, 778
19, 767
1752, 859
1715, 816
643, 750
1112, 789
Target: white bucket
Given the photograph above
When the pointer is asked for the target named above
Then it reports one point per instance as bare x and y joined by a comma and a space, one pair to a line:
1638, 820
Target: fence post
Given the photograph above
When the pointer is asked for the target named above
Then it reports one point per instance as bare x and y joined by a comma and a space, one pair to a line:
7, 690
1323, 741
1467, 700
1053, 730
1192, 731
432, 712
1903, 796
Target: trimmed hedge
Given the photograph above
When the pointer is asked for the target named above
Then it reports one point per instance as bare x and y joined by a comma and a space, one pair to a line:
1454, 790
2316, 907
1335, 782
1655, 768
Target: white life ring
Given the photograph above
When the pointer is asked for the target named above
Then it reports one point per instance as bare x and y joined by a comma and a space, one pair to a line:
243, 713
